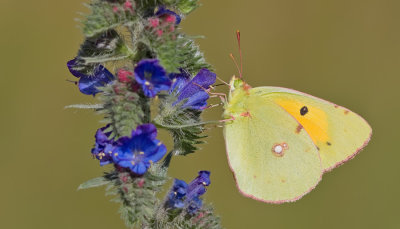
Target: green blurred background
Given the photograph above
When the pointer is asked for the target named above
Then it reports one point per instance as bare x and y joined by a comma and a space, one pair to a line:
345, 51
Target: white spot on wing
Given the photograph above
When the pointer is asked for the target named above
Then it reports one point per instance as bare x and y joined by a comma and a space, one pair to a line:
279, 149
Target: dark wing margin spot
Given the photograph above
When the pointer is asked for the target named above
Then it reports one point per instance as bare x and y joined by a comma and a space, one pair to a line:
328, 143
303, 110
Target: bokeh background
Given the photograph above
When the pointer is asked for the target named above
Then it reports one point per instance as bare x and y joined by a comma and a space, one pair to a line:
346, 51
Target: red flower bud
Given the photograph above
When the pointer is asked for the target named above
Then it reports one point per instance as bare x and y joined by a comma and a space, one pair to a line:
124, 76
170, 18
140, 183
154, 22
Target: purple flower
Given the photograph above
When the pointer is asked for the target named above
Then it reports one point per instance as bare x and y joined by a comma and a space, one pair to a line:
176, 195
140, 150
170, 16
192, 91
187, 196
88, 84
152, 77
103, 146
197, 187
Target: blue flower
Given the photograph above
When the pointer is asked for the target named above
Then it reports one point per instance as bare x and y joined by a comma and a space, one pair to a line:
88, 84
176, 195
196, 189
187, 196
192, 91
140, 150
103, 147
197, 186
152, 77
169, 14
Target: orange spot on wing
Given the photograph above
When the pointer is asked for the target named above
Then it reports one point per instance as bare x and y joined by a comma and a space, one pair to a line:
346, 112
314, 121
298, 129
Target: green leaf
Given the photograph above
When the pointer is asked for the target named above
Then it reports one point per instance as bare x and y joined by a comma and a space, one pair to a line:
187, 6
104, 47
178, 51
184, 6
123, 109
103, 18
184, 124
93, 183
84, 106
137, 195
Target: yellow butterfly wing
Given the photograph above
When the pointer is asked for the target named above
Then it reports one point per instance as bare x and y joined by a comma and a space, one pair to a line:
270, 162
338, 132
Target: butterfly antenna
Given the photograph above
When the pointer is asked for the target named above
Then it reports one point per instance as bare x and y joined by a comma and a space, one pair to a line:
240, 53
236, 64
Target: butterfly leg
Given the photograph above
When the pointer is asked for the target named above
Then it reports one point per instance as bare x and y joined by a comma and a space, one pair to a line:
214, 105
223, 81
228, 120
222, 96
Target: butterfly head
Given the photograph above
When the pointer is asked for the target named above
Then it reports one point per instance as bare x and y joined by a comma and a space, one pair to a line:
238, 94
237, 83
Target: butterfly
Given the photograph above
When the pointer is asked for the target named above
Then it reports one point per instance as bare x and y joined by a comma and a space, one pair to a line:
281, 141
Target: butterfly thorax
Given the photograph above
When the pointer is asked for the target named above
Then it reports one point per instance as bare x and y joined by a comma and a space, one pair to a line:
238, 95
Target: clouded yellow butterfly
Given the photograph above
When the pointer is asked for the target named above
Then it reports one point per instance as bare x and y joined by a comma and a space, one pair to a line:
280, 141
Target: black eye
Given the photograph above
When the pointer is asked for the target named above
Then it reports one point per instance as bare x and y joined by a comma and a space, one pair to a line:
303, 110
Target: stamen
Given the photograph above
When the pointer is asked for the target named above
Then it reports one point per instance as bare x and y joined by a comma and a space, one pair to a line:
72, 81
